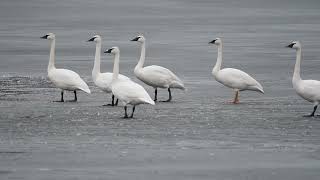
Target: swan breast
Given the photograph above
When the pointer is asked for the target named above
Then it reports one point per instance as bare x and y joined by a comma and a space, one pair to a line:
308, 89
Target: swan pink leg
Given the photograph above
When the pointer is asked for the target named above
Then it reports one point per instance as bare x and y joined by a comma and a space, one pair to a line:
236, 98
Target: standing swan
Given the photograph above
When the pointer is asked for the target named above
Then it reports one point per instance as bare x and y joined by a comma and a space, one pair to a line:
307, 89
233, 78
155, 76
63, 78
127, 91
102, 80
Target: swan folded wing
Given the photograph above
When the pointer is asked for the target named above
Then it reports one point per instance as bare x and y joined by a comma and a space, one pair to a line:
159, 76
129, 91
310, 90
235, 78
68, 80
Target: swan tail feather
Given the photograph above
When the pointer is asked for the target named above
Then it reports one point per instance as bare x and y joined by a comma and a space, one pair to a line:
257, 88
148, 100
84, 87
178, 85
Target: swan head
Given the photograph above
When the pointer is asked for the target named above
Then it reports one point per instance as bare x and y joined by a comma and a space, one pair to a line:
139, 38
49, 36
113, 50
295, 45
95, 38
216, 41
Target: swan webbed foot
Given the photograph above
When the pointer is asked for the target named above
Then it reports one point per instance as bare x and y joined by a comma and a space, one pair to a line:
59, 101
310, 115
168, 100
314, 110
236, 102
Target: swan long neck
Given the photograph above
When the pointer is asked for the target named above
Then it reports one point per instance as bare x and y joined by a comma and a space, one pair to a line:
142, 57
116, 66
96, 66
217, 66
296, 73
52, 55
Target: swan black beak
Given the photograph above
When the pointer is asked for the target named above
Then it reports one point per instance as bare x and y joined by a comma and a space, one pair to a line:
135, 39
44, 37
212, 42
108, 51
290, 45
92, 39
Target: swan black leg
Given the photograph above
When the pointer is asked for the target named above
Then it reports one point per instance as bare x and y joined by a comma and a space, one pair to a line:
155, 95
125, 112
170, 97
112, 102
314, 110
61, 97
116, 104
133, 108
75, 96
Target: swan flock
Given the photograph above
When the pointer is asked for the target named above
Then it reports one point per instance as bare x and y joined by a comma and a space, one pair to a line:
131, 93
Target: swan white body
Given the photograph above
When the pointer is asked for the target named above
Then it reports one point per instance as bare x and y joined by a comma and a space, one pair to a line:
102, 80
63, 78
155, 76
127, 91
307, 89
233, 78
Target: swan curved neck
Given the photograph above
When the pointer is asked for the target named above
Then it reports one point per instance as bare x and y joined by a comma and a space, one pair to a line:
296, 73
142, 57
217, 67
96, 66
116, 66
52, 55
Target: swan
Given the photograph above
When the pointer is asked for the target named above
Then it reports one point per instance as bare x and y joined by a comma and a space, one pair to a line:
64, 79
233, 78
127, 91
307, 89
102, 80
155, 76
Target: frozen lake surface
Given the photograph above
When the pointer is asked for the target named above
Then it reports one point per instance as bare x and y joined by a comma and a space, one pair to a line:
198, 135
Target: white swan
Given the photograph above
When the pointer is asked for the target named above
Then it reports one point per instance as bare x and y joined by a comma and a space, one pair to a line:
127, 91
155, 76
63, 78
233, 78
102, 80
307, 89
